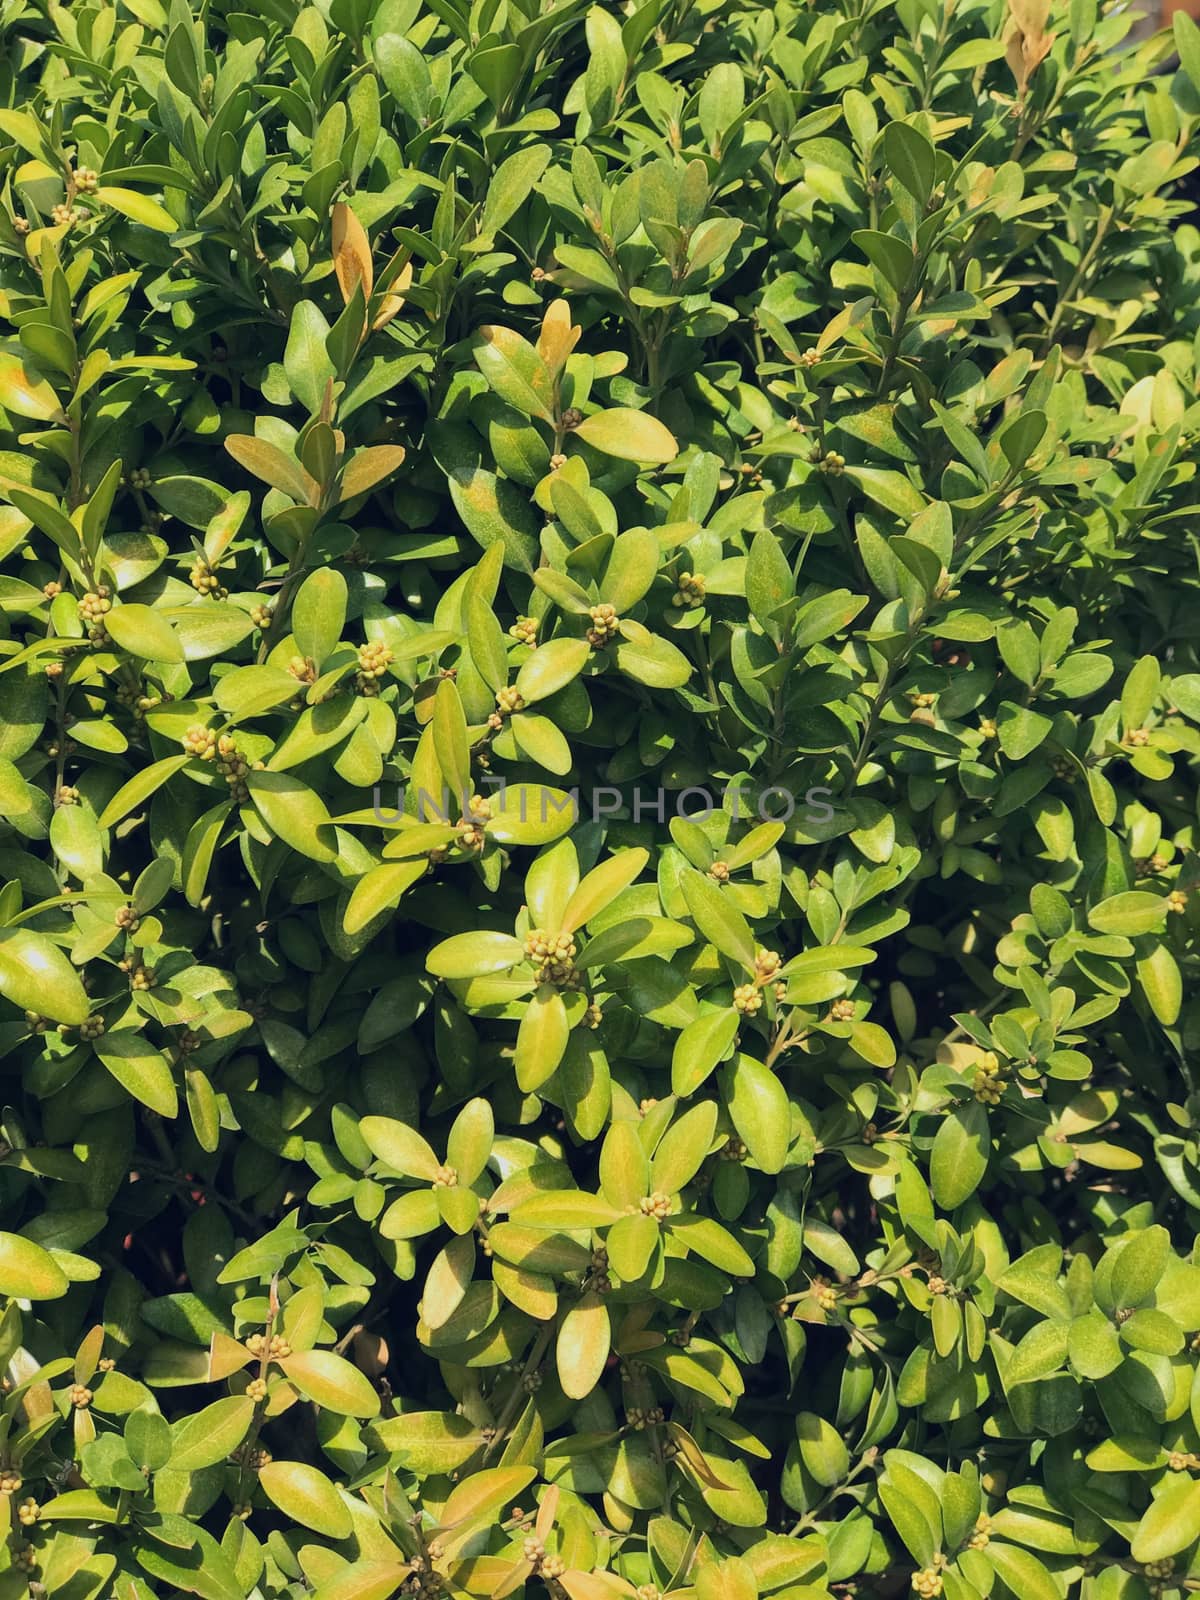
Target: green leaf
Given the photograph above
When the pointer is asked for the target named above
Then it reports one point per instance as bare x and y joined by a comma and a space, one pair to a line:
1020, 651
511, 184
718, 919
1093, 1347
1126, 1454
1033, 1280
1022, 436
428, 1442
631, 1244
540, 741
1140, 692
141, 1068
36, 976
683, 1148
144, 632
531, 813
650, 659
381, 889
404, 70
701, 1047
25, 130
873, 1044
363, 1580
822, 1449
1162, 983
631, 568
758, 1104
450, 742
769, 581
830, 613
1187, 43
1148, 170
77, 841
909, 154
624, 1169
566, 1209
913, 1507
1042, 1351
959, 1156
1021, 730
482, 1494
184, 1556
306, 361
470, 1141
515, 371
892, 490
319, 614
1022, 1572
1139, 1266
1132, 912
484, 635
1171, 1523
249, 691
495, 511
713, 1242
891, 255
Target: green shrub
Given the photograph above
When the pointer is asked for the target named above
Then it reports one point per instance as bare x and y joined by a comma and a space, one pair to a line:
599, 690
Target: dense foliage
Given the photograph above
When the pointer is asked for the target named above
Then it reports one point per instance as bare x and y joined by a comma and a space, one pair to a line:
599, 716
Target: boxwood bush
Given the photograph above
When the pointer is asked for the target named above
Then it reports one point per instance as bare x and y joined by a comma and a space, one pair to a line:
599, 718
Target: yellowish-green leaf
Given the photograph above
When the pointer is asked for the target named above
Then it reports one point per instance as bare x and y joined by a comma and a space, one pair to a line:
482, 1494
138, 208
26, 395
515, 370
551, 667
140, 1068
381, 889
367, 469
144, 632
363, 1580
584, 1340
631, 435
27, 1272
35, 975
601, 887
541, 1038
332, 1382
319, 614
306, 1496
294, 812
268, 462
208, 1436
